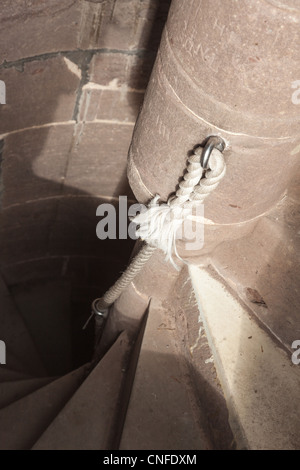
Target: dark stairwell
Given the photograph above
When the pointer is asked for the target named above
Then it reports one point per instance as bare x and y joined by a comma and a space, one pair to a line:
75, 75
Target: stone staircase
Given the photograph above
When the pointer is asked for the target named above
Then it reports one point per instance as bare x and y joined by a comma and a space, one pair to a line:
131, 396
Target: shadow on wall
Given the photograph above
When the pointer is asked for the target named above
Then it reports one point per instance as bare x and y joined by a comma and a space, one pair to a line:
50, 150
265, 273
277, 273
266, 377
265, 269
274, 299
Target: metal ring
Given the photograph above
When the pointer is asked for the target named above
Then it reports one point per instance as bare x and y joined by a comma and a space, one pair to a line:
97, 311
212, 142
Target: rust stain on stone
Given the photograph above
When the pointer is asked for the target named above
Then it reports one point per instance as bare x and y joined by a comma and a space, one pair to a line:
37, 71
254, 296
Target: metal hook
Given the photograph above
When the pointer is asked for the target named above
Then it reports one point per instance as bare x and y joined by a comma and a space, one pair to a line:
212, 142
97, 311
103, 313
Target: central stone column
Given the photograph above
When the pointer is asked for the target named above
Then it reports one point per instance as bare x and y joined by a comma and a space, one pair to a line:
223, 68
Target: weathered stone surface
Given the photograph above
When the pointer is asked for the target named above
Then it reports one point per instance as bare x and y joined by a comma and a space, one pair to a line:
115, 24
152, 12
35, 96
110, 69
259, 380
117, 69
107, 24
57, 237
267, 262
118, 106
37, 27
198, 354
12, 391
98, 162
34, 163
37, 238
116, 87
160, 415
92, 417
230, 203
24, 231
79, 24
36, 411
241, 62
254, 111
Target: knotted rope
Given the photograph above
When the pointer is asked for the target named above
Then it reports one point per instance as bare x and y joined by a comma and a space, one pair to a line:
159, 223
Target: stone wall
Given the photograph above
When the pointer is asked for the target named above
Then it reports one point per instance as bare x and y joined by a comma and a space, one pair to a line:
75, 74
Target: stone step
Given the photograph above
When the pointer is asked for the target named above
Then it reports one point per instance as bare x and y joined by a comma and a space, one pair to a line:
259, 379
93, 418
161, 415
21, 353
11, 375
14, 390
45, 307
17, 364
22, 422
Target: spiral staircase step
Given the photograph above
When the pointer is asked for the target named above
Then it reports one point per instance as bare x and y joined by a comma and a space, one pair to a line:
93, 418
14, 390
21, 353
22, 422
161, 414
11, 375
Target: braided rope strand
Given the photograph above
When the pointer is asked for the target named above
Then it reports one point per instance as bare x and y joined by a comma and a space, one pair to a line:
195, 187
191, 178
213, 176
132, 270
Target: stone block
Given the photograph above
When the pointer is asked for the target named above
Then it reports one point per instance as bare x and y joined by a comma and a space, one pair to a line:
119, 106
109, 24
35, 96
34, 163
68, 25
37, 27
98, 162
117, 69
123, 24
116, 88
25, 231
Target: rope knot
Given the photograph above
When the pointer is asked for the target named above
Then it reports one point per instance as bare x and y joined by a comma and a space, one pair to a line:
159, 224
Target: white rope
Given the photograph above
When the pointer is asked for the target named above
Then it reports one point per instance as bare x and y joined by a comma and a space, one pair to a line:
191, 178
159, 223
213, 176
135, 267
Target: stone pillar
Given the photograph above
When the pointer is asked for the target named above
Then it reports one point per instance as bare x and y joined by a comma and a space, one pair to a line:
229, 68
